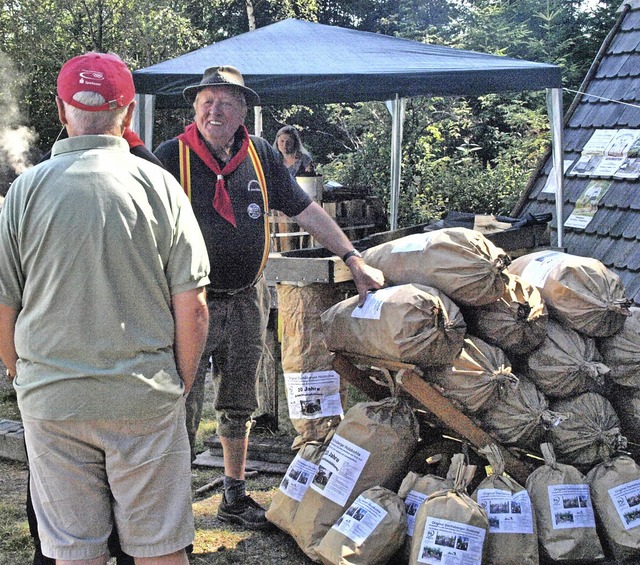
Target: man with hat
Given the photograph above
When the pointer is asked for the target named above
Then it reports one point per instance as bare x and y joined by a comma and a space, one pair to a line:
103, 320
233, 179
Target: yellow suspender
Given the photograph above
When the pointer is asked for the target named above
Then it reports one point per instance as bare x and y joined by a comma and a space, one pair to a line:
185, 167
265, 198
185, 181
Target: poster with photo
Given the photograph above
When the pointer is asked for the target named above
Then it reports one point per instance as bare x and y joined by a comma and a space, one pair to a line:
339, 469
508, 513
571, 506
360, 519
587, 204
609, 153
298, 478
451, 543
313, 395
626, 499
411, 504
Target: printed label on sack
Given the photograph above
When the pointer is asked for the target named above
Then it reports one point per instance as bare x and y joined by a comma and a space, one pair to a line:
360, 519
451, 543
313, 395
416, 242
626, 499
508, 513
537, 271
571, 506
412, 503
372, 307
339, 469
298, 478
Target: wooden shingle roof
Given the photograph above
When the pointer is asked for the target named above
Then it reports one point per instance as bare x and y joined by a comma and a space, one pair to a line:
609, 99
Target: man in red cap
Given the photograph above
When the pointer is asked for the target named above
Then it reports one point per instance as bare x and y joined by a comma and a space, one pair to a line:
102, 324
233, 179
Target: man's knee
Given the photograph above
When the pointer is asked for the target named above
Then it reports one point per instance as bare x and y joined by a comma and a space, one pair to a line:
233, 424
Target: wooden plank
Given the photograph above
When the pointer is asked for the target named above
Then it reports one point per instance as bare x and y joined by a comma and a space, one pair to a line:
409, 378
454, 419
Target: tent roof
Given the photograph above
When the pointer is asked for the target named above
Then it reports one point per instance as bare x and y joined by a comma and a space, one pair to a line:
298, 62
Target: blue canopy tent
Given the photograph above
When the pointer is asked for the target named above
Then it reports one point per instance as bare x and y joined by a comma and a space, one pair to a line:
328, 64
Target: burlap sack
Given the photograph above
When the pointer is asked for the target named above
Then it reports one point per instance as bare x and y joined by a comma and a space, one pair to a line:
512, 538
626, 403
476, 377
615, 490
621, 352
315, 393
566, 363
461, 262
370, 447
296, 481
520, 416
580, 292
368, 533
590, 434
516, 322
408, 323
450, 523
565, 519
415, 489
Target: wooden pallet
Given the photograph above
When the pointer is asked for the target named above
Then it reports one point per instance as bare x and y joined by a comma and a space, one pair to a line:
366, 374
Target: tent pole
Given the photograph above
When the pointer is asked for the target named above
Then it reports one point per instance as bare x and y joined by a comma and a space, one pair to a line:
396, 108
142, 122
257, 121
554, 109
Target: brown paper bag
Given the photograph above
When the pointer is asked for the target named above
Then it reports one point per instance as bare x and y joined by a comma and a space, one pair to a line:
621, 352
565, 519
591, 433
450, 522
580, 292
516, 322
407, 323
566, 363
520, 416
370, 447
512, 538
296, 481
460, 262
476, 376
615, 490
626, 403
415, 489
368, 533
315, 393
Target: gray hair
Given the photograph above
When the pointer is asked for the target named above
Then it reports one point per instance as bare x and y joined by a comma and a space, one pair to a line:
94, 123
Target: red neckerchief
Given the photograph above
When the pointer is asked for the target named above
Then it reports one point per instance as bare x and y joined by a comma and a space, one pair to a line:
132, 138
221, 200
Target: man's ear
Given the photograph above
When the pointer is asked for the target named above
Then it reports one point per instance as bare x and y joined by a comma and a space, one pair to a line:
128, 117
61, 113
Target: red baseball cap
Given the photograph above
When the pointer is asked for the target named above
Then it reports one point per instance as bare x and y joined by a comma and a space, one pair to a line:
104, 73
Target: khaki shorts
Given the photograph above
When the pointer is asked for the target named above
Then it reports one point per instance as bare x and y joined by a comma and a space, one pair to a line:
87, 474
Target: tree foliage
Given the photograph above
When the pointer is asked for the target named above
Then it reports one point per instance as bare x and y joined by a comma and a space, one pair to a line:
472, 154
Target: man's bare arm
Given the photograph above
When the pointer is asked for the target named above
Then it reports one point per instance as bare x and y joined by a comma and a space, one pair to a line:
323, 228
191, 317
8, 353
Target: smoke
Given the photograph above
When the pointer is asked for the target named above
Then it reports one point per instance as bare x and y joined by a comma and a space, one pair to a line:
16, 139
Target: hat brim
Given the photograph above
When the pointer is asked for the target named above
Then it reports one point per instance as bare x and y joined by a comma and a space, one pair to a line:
250, 96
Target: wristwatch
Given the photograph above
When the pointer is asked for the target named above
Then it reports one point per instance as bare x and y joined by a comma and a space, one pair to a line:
352, 253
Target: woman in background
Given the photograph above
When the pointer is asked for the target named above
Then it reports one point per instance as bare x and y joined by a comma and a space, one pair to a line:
296, 158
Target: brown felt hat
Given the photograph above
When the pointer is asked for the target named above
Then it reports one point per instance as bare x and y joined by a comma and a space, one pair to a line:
222, 76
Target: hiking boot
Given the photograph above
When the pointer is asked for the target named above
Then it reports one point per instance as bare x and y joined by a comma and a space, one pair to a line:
245, 512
